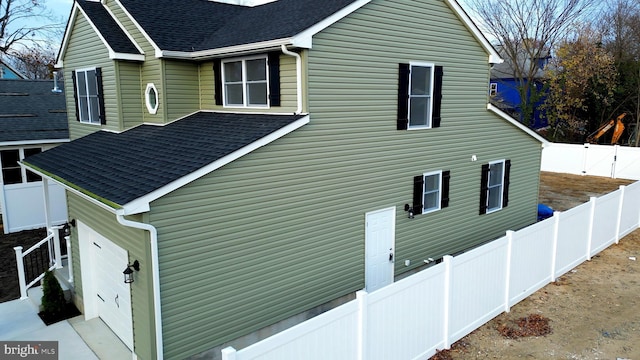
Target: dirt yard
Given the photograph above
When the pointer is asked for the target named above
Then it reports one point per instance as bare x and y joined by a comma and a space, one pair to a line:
593, 312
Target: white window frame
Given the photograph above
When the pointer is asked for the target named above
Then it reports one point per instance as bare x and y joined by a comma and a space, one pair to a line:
429, 124
147, 98
499, 187
90, 120
23, 171
493, 89
245, 97
439, 191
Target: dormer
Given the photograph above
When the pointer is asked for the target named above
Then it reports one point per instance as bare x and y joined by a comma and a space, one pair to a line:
249, 3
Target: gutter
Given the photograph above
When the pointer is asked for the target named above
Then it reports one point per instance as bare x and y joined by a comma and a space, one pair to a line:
298, 76
153, 234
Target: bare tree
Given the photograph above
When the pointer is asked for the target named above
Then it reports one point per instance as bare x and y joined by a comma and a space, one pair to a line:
23, 20
36, 62
526, 31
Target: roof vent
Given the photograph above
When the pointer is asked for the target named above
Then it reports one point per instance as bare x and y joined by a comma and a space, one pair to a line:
56, 89
249, 3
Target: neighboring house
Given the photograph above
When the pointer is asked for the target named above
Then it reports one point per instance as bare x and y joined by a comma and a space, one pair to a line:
504, 88
32, 119
263, 162
9, 72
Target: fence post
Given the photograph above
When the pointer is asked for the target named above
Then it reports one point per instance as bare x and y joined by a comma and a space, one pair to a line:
229, 353
363, 334
448, 259
619, 221
507, 287
69, 260
592, 219
56, 246
21, 279
554, 251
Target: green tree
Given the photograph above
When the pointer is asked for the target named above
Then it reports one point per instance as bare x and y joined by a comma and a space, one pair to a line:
581, 81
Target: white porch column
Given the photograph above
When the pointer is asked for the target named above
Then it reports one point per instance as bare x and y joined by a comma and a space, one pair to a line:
47, 205
21, 279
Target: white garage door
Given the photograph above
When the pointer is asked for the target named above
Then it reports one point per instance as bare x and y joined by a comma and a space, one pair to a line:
105, 293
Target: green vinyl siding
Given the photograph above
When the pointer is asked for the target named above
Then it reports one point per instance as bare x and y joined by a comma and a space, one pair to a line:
281, 230
150, 71
86, 51
131, 99
288, 86
181, 83
136, 243
343, 63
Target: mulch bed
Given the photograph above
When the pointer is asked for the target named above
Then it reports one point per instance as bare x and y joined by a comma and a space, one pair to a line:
9, 288
531, 325
69, 312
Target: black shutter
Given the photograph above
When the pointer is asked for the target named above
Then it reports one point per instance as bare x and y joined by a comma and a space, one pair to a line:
418, 194
505, 185
75, 94
103, 116
484, 182
446, 177
217, 81
437, 97
274, 78
403, 97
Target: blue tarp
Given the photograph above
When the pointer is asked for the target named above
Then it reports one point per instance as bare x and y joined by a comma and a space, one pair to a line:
544, 212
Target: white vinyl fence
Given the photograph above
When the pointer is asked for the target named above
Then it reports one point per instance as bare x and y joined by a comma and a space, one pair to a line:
618, 162
413, 317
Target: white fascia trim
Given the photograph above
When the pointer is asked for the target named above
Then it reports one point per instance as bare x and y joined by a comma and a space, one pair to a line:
494, 57
142, 204
518, 124
34, 142
304, 39
68, 188
67, 35
227, 51
122, 56
157, 50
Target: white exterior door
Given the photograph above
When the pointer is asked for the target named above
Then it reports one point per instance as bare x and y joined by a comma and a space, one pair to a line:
104, 291
379, 248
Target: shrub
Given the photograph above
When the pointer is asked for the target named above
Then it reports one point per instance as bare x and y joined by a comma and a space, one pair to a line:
53, 302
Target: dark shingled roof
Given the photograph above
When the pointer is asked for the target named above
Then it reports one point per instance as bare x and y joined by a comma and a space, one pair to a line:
29, 110
111, 32
194, 25
123, 167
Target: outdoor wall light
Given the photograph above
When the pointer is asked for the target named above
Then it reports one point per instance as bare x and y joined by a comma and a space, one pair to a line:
128, 272
409, 209
67, 227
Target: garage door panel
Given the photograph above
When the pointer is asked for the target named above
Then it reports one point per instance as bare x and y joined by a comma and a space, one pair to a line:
111, 296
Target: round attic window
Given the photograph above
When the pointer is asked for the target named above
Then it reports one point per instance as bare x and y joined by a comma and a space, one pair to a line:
151, 98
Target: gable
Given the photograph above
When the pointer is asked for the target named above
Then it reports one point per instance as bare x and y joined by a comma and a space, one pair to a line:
118, 43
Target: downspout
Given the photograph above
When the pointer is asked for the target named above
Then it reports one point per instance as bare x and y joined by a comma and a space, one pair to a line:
298, 75
153, 234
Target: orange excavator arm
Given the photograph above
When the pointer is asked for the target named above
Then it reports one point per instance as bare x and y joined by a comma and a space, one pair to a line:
618, 128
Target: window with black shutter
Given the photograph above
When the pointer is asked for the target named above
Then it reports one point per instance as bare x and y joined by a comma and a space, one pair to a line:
419, 96
248, 82
88, 96
494, 186
431, 192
